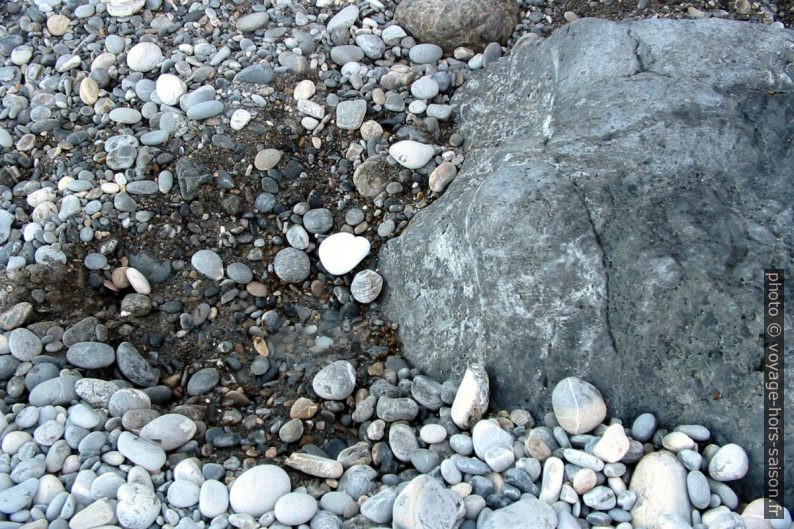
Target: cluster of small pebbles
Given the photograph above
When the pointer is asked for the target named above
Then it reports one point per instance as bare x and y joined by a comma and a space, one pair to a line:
192, 195
87, 452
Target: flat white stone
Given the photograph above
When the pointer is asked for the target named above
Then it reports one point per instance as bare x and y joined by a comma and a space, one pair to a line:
411, 154
239, 119
304, 90
342, 252
170, 88
124, 8
138, 281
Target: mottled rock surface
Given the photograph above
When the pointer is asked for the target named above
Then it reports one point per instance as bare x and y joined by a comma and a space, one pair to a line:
628, 184
454, 23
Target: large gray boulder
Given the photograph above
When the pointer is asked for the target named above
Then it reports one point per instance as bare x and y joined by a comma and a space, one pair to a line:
454, 23
624, 187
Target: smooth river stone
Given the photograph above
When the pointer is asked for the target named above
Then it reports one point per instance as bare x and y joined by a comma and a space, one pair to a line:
425, 503
16, 498
411, 154
729, 463
170, 431
205, 109
336, 381
138, 506
529, 512
252, 21
659, 481
342, 252
258, 489
91, 355
366, 286
144, 56
578, 405
141, 452
208, 263
170, 88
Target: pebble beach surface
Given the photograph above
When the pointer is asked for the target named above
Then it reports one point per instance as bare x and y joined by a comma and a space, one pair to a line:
193, 195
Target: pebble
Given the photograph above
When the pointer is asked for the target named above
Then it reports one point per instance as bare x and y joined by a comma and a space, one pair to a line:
138, 281
182, 494
267, 159
378, 508
729, 463
208, 263
170, 88
472, 398
697, 487
240, 118
240, 273
371, 177
366, 286
55, 391
578, 405
252, 21
144, 57
134, 367
89, 91
292, 265
553, 473
442, 176
659, 481
343, 19
126, 116
295, 508
411, 154
255, 74
402, 441
23, 344
213, 498
91, 355
258, 489
291, 431
99, 513
304, 90
643, 427
16, 498
203, 381
487, 434
433, 433
205, 110
297, 237
317, 221
342, 252
350, 114
58, 25
124, 8
138, 506
425, 88
424, 504
613, 444
425, 53
528, 512
335, 381
314, 465
141, 452
169, 431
